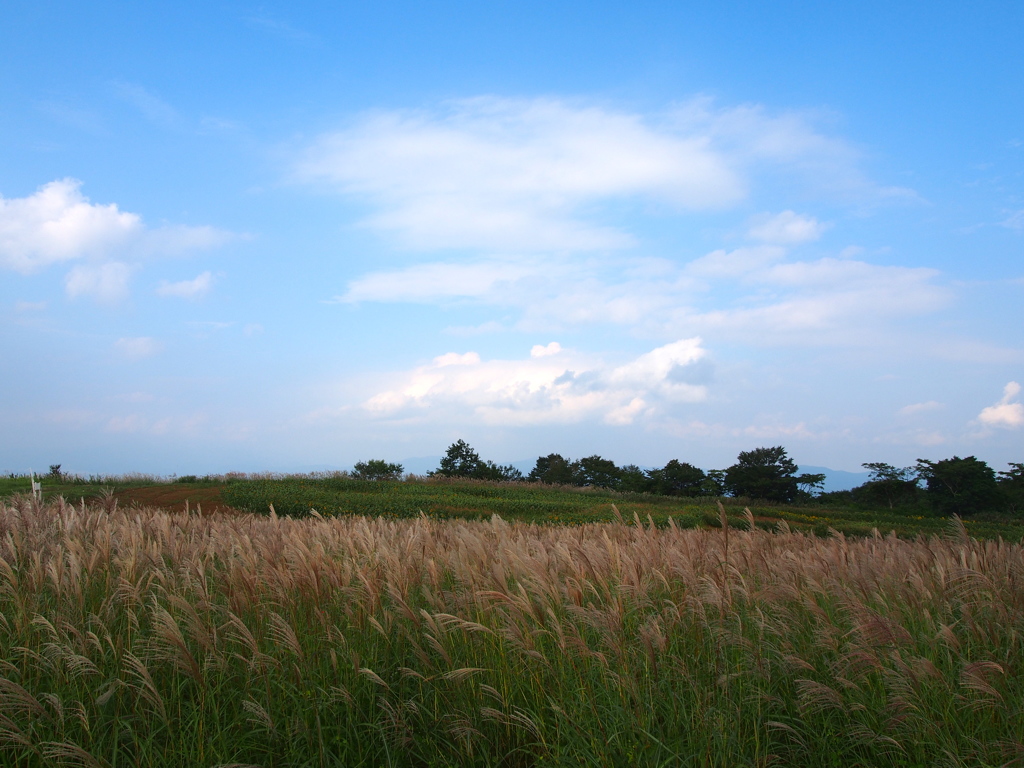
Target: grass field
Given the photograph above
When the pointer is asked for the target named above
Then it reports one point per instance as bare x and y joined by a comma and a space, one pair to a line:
474, 500
138, 637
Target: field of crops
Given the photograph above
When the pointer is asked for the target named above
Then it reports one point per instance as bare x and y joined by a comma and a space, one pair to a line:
137, 637
535, 502
441, 498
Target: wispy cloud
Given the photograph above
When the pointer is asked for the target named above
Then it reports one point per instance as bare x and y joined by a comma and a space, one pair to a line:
738, 263
751, 293
30, 306
106, 282
915, 408
1015, 220
152, 107
428, 283
786, 228
82, 119
280, 28
187, 289
138, 347
515, 175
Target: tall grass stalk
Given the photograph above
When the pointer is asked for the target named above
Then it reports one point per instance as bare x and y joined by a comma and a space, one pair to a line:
142, 638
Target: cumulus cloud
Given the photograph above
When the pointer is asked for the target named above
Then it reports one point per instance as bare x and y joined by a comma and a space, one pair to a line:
58, 224
520, 174
786, 228
557, 386
542, 350
138, 347
107, 282
1005, 413
187, 289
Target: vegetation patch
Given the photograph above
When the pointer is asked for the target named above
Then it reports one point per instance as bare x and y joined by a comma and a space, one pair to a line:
145, 638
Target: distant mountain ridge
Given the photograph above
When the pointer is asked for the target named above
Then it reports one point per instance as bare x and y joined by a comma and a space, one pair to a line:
837, 479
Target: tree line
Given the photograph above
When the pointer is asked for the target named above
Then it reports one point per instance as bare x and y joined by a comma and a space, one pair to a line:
955, 486
763, 473
961, 486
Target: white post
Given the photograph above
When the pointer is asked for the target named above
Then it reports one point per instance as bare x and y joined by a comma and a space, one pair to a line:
37, 489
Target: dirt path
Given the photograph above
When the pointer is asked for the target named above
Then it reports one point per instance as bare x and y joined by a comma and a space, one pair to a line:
174, 497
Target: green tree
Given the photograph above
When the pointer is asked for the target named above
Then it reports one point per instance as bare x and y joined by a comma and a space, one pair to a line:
678, 478
809, 483
498, 472
635, 480
763, 473
960, 486
553, 468
593, 470
377, 469
714, 483
1011, 483
888, 484
460, 460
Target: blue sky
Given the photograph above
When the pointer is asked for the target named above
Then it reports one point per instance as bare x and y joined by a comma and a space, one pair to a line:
294, 236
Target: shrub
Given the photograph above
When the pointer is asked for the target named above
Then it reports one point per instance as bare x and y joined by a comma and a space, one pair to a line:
377, 469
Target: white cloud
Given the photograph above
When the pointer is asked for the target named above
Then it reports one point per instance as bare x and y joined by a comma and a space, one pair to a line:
454, 358
82, 119
281, 28
758, 140
154, 108
1004, 413
428, 283
187, 289
557, 387
182, 239
825, 300
128, 424
136, 423
751, 293
520, 174
137, 348
740, 262
1015, 220
786, 228
57, 224
71, 418
491, 326
29, 306
540, 350
107, 282
915, 408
